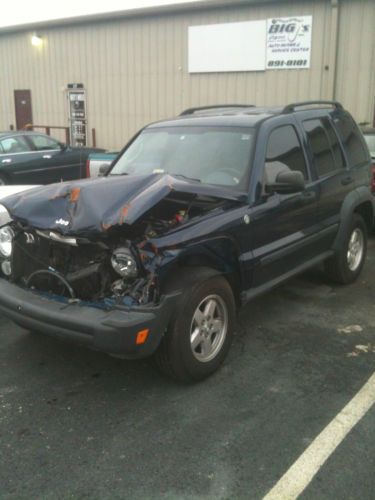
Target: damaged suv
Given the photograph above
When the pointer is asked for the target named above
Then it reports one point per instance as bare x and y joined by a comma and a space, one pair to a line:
196, 216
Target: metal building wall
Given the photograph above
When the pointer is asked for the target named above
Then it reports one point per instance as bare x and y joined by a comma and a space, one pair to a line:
135, 69
355, 78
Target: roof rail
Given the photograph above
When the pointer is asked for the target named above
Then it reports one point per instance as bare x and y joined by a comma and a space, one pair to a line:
191, 111
292, 107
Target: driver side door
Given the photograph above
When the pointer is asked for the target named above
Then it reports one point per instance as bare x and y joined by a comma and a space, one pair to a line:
283, 225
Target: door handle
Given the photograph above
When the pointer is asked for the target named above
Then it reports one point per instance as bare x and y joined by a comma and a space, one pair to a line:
347, 180
7, 160
47, 157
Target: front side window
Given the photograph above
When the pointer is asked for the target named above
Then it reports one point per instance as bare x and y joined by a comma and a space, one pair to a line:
15, 144
351, 139
211, 155
284, 152
320, 147
43, 143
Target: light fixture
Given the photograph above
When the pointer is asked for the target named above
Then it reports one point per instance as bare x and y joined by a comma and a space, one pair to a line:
36, 40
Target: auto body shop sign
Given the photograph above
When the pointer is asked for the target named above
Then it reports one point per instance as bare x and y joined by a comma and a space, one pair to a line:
289, 42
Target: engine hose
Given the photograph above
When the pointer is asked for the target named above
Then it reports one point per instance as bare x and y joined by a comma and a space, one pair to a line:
56, 275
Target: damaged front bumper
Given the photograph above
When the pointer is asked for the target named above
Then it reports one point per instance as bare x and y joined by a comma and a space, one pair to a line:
112, 331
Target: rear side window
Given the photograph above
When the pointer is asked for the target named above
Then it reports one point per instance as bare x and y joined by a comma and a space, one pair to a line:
319, 144
284, 152
334, 143
351, 139
16, 144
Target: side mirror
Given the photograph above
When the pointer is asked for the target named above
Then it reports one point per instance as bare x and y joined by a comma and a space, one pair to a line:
287, 181
104, 169
63, 146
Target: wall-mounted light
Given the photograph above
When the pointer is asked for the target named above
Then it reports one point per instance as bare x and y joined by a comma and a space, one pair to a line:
36, 40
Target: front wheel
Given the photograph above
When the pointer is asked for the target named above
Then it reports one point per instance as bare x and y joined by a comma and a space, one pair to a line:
346, 265
199, 337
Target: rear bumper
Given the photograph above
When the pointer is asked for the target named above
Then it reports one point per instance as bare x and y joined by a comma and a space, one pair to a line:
113, 331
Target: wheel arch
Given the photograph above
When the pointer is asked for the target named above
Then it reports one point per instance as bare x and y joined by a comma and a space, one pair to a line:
204, 259
359, 201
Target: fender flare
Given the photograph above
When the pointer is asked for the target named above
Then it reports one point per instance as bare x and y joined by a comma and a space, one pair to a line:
353, 200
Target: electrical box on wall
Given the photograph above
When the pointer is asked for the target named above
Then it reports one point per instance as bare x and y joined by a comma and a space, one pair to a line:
77, 114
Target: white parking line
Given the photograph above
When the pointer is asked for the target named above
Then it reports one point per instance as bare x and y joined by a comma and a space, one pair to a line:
300, 474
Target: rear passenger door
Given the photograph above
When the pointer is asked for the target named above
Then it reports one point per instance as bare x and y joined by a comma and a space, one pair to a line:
333, 177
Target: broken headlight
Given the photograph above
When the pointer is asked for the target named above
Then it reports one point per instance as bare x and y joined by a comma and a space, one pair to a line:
124, 263
6, 241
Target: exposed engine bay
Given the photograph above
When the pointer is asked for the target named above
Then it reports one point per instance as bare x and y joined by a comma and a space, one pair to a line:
119, 266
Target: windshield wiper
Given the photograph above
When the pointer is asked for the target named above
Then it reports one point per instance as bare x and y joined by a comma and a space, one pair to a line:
186, 177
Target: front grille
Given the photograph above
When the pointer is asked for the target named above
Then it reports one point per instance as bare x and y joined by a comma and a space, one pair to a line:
30, 253
86, 268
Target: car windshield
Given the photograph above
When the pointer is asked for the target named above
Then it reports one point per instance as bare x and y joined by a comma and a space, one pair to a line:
211, 155
370, 140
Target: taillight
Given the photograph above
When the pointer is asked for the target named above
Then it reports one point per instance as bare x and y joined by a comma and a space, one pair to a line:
87, 168
372, 182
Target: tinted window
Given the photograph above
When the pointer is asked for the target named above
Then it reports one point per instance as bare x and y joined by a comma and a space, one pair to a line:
284, 152
351, 140
334, 143
42, 142
14, 145
320, 147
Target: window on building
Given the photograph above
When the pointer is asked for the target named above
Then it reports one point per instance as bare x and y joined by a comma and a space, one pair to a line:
16, 144
320, 147
284, 152
351, 140
43, 142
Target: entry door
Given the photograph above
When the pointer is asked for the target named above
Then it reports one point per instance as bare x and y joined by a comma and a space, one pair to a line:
22, 103
282, 224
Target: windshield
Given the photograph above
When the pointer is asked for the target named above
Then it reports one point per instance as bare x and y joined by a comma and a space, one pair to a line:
211, 155
370, 140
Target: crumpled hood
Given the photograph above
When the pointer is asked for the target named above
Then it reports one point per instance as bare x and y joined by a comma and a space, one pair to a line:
90, 206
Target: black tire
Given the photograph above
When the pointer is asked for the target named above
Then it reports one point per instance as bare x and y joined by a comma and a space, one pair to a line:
338, 267
174, 356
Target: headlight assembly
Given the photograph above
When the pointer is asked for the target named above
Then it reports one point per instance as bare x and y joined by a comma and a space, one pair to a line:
124, 263
6, 241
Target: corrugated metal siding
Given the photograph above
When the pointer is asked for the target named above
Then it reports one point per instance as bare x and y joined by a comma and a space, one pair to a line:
355, 80
135, 69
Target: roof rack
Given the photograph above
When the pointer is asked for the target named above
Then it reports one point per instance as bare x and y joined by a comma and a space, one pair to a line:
191, 111
292, 107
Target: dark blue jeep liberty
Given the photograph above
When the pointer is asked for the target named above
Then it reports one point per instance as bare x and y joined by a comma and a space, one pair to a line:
195, 217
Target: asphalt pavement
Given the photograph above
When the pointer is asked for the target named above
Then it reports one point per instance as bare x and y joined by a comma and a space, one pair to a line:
79, 424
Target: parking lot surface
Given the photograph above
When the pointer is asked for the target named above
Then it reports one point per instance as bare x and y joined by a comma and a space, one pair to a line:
80, 424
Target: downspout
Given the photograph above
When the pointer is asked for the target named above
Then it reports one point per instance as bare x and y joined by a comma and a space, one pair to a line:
333, 50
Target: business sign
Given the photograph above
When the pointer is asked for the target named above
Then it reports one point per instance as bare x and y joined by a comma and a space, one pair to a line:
227, 47
289, 42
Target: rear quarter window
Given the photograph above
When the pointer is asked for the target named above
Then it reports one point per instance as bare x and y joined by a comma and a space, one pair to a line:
351, 139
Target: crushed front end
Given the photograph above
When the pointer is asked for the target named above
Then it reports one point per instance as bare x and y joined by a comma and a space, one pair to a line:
81, 260
102, 292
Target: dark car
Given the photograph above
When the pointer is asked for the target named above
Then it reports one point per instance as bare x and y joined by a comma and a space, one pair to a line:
197, 216
34, 158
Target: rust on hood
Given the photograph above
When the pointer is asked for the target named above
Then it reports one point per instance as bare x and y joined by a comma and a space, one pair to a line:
74, 194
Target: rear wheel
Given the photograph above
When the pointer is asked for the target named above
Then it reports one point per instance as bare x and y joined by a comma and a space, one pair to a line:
346, 265
199, 337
